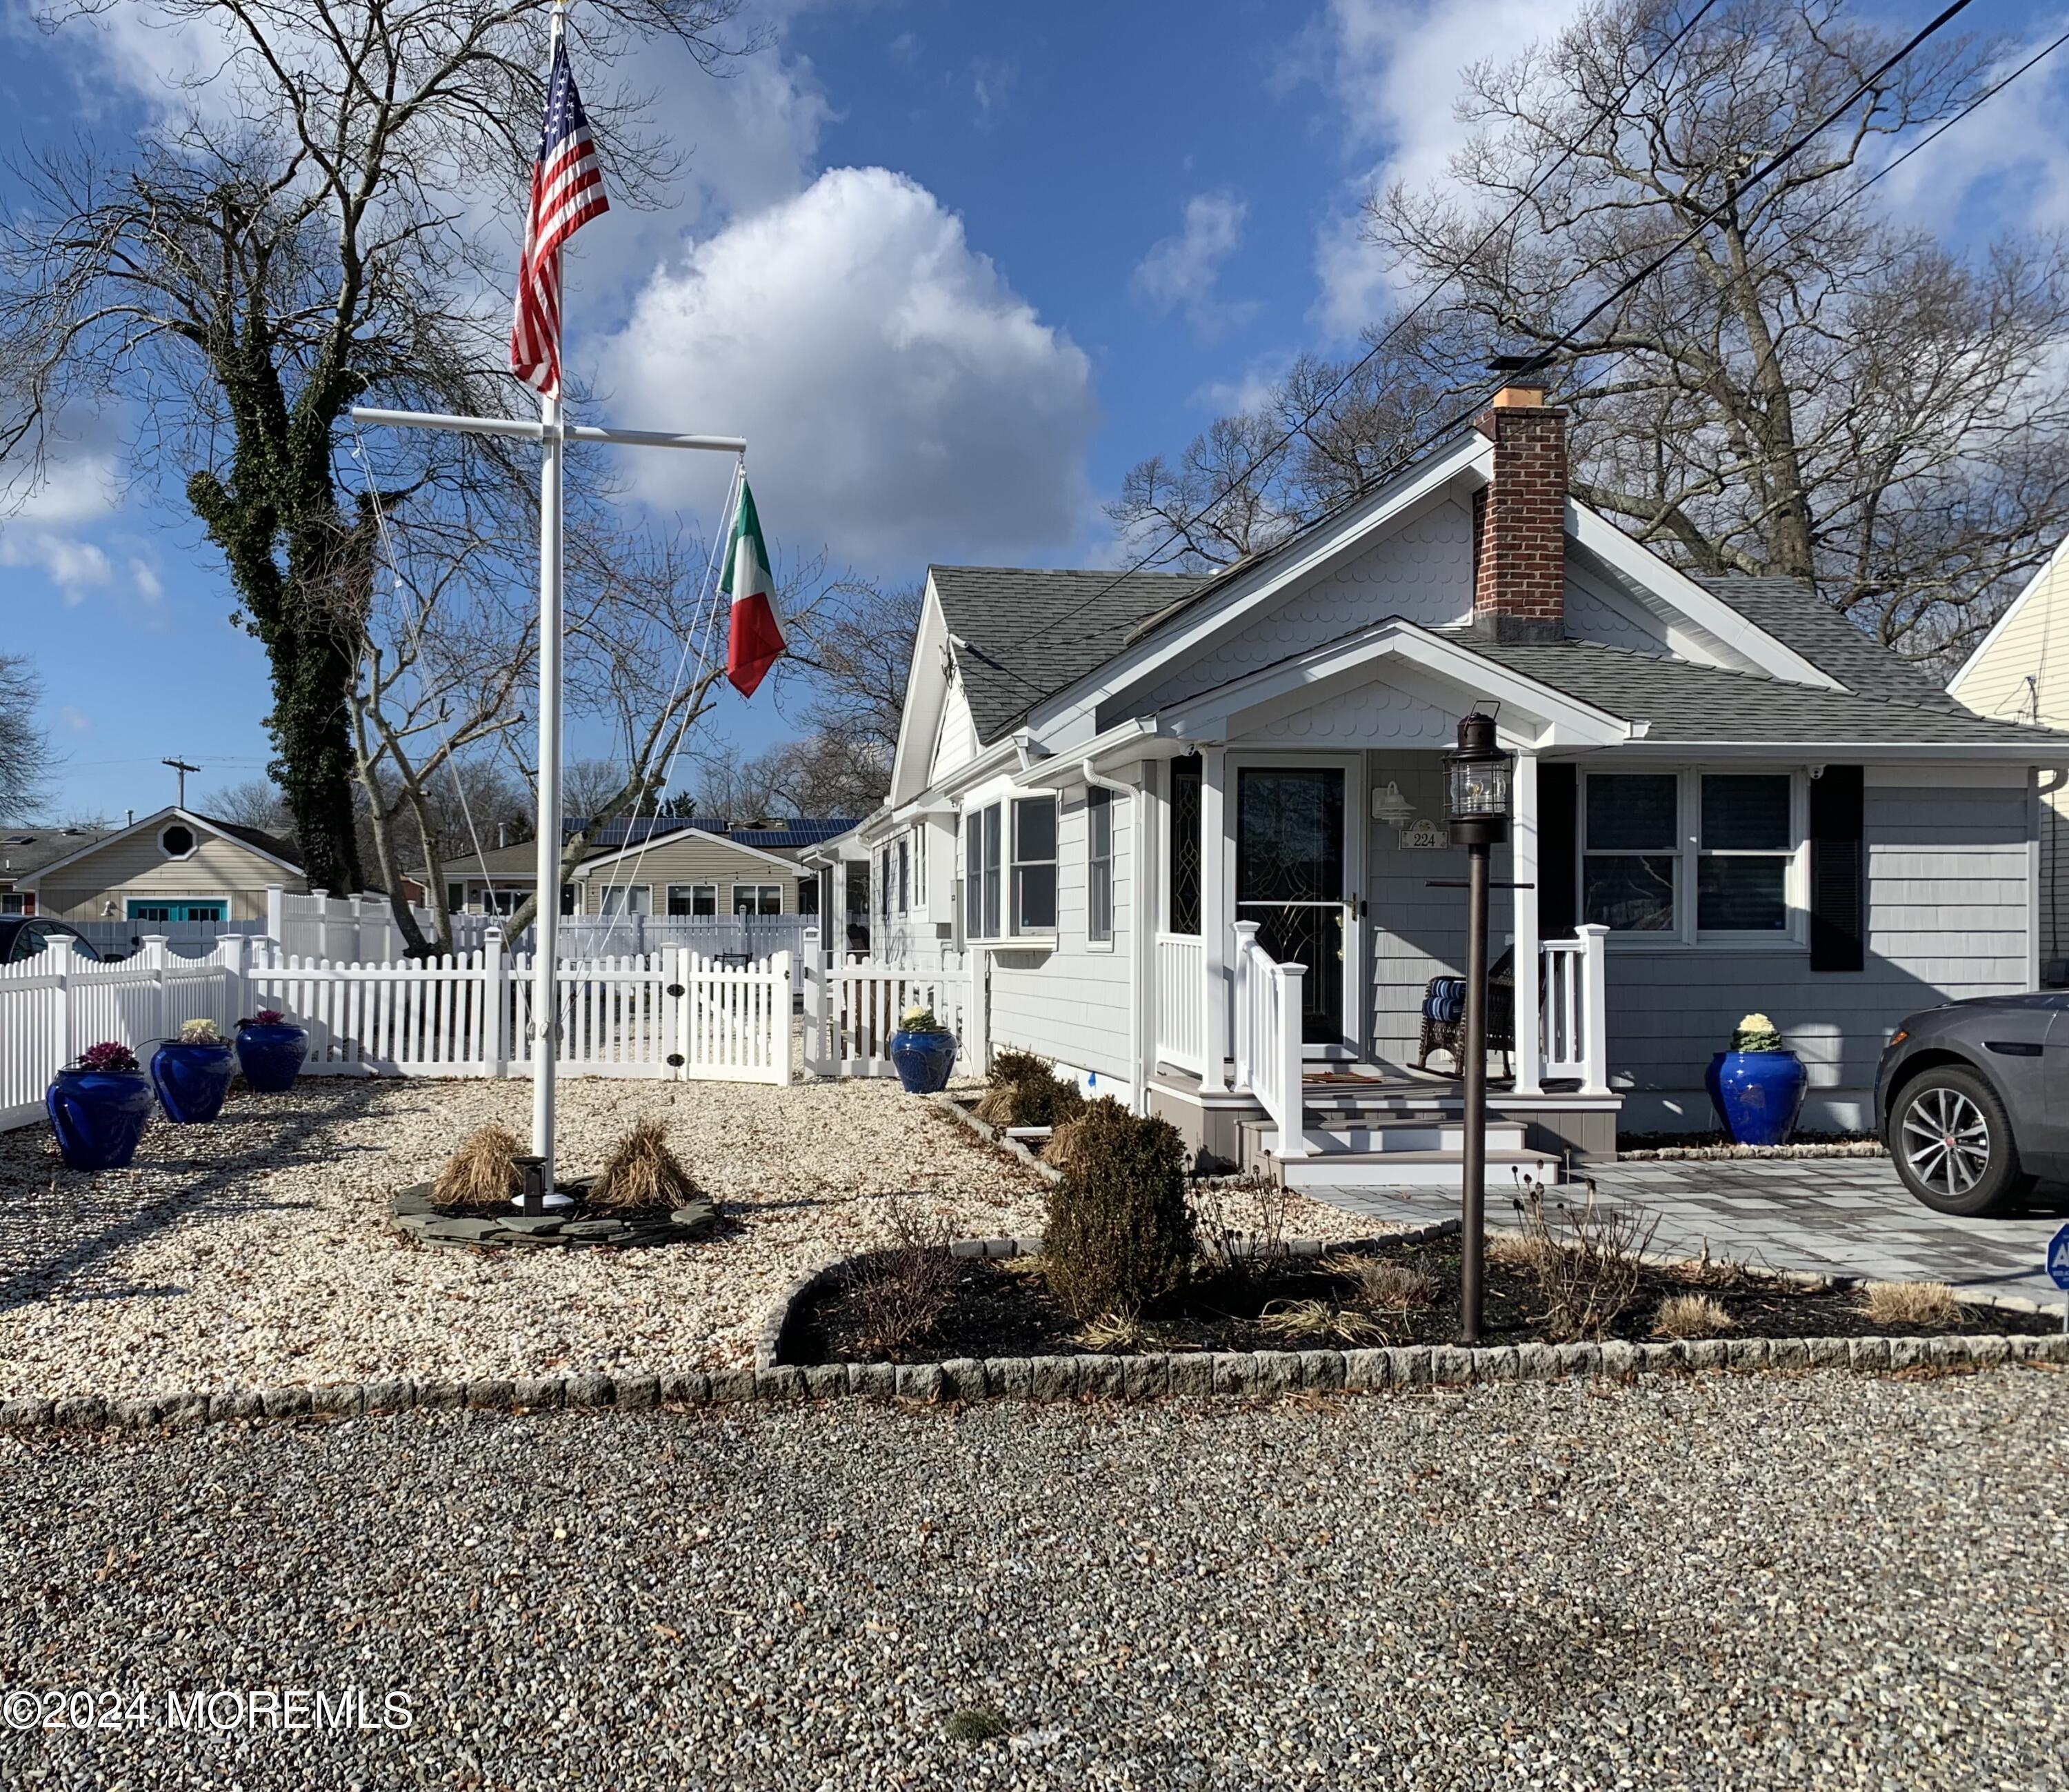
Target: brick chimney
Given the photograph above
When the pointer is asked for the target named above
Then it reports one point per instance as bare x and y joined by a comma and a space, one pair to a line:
1520, 520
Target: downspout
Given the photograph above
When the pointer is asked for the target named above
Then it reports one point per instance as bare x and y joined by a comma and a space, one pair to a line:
1139, 944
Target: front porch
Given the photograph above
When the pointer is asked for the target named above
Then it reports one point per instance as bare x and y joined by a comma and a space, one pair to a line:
1304, 909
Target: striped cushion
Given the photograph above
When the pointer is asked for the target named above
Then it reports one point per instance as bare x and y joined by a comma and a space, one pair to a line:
1445, 998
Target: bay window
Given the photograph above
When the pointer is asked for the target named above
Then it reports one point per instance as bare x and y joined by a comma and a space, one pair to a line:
982, 840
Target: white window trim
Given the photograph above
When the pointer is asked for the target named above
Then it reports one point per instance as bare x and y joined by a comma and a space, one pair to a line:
625, 893
1113, 859
757, 886
696, 884
919, 869
193, 845
1685, 936
999, 797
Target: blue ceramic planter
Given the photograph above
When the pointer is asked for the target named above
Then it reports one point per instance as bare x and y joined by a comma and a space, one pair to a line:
1757, 1094
923, 1060
192, 1080
98, 1115
271, 1056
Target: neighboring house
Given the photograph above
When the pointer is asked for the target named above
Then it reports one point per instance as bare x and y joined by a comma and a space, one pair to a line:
29, 848
174, 865
1100, 776
2021, 673
661, 865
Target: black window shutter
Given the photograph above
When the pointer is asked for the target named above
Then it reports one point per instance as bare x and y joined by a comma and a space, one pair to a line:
1838, 870
1558, 831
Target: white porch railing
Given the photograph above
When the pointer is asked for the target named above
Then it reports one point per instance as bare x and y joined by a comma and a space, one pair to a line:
1181, 1030
1267, 1037
1574, 1008
851, 1010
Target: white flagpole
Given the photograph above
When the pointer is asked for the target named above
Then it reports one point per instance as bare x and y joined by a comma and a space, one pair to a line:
546, 927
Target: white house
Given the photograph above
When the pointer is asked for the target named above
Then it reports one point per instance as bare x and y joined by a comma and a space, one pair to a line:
1137, 802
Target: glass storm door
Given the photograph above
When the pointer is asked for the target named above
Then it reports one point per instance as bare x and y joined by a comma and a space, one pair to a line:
1289, 878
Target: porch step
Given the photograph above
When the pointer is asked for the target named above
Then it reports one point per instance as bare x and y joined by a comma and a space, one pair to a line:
1394, 1137
1395, 1170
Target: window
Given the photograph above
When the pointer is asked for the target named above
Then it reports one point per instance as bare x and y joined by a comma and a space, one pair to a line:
627, 899
1632, 846
982, 838
758, 899
905, 879
1182, 905
693, 899
455, 898
178, 842
1035, 865
808, 895
883, 882
919, 867
1099, 864
1748, 841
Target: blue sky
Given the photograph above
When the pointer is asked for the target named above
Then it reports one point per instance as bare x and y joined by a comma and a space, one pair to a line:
951, 267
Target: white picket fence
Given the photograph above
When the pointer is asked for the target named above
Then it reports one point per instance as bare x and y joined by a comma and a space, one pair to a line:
852, 1009
668, 1015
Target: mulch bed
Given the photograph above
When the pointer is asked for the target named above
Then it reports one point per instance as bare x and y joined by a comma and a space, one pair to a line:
994, 1311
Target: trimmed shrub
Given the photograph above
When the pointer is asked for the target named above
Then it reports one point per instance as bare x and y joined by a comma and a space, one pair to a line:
1119, 1232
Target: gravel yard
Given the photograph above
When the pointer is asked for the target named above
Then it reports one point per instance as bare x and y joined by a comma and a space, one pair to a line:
256, 1251
1773, 1582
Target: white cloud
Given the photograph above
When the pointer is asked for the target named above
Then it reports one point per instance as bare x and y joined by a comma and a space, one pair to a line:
900, 401
1394, 67
77, 720
1181, 271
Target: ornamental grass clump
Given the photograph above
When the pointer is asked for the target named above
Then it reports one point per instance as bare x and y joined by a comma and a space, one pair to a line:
1024, 1090
1320, 1322
642, 1174
1118, 1234
483, 1172
1690, 1316
1382, 1284
1910, 1304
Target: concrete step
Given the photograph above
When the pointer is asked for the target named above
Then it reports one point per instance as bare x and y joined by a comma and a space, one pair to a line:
1428, 1134
1395, 1170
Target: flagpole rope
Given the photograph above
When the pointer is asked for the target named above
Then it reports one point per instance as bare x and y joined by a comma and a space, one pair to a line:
704, 621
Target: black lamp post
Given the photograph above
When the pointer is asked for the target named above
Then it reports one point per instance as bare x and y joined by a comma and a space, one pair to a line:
1477, 785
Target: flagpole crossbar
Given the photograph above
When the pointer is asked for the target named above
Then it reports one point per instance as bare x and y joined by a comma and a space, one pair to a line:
533, 431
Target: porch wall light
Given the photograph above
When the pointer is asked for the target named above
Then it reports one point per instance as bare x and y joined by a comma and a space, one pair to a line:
1477, 776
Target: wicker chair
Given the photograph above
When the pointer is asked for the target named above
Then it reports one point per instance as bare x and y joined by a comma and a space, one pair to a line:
1444, 1017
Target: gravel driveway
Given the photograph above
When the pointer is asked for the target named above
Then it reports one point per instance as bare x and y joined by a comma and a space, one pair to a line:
256, 1251
1760, 1582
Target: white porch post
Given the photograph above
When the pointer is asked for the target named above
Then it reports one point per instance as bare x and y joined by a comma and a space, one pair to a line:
1214, 918
1145, 906
1529, 1011
1594, 1009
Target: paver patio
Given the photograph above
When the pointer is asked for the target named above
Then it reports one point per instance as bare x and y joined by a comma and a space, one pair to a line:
1833, 1215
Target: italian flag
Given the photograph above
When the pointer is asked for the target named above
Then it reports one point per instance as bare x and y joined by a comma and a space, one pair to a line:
756, 637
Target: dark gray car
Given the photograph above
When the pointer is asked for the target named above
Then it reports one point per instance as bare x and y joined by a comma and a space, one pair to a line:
1973, 1100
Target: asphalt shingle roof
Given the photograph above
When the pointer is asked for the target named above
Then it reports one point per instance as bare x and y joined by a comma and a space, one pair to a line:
259, 838
1791, 610
1688, 703
1027, 634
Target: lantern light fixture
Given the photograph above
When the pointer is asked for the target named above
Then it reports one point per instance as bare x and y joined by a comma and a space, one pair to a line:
1477, 776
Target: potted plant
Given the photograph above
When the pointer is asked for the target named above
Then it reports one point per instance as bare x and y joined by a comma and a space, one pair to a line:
923, 1051
192, 1073
98, 1104
270, 1050
1757, 1086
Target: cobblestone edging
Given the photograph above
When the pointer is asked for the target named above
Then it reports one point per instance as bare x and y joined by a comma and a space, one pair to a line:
1258, 1374
996, 1137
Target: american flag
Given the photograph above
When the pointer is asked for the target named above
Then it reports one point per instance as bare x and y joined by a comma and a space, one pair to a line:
567, 192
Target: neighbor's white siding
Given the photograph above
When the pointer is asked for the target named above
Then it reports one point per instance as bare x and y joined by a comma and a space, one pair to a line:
956, 744
1071, 1004
136, 865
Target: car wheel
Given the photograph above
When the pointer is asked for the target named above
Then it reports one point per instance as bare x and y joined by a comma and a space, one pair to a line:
1952, 1141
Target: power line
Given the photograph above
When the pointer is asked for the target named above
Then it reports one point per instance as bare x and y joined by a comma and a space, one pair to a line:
1543, 356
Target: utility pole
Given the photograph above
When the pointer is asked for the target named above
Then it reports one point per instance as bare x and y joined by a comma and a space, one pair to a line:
181, 768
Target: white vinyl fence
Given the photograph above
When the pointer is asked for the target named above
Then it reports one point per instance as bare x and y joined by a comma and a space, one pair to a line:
749, 937
851, 1010
668, 1015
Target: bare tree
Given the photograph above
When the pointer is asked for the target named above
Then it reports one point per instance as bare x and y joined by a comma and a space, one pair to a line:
292, 240
26, 757
1806, 389
252, 802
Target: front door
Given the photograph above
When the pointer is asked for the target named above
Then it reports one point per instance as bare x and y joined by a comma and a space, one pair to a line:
1289, 879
